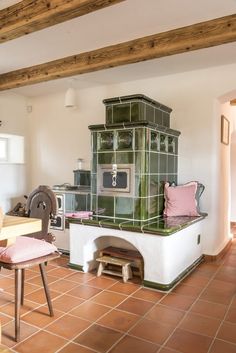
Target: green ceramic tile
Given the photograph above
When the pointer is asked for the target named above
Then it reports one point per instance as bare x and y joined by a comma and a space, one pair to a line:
125, 139
121, 113
106, 140
140, 139
171, 144
153, 184
176, 145
144, 209
158, 116
124, 157
144, 185
106, 158
94, 183
124, 207
106, 203
109, 114
94, 163
150, 113
153, 207
94, 141
166, 119
163, 143
94, 203
154, 163
170, 164
137, 190
176, 164
137, 111
137, 208
161, 185
141, 162
160, 205
163, 163
154, 141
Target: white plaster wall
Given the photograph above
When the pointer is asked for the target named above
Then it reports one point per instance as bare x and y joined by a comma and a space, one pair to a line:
233, 165
14, 177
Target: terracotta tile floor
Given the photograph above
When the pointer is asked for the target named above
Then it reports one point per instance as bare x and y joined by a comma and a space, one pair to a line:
101, 315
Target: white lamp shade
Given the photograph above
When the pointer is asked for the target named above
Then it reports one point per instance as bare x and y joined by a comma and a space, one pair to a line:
70, 98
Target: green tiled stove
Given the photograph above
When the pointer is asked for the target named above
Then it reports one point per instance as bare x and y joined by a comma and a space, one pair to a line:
133, 154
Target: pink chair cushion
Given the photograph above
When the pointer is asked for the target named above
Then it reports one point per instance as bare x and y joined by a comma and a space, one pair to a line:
180, 200
24, 249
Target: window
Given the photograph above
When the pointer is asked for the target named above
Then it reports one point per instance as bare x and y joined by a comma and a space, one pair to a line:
3, 149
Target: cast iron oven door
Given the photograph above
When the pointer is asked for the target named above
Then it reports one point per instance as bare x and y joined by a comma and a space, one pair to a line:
120, 184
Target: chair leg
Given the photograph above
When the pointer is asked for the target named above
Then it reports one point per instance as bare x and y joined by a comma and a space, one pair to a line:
22, 286
18, 277
46, 289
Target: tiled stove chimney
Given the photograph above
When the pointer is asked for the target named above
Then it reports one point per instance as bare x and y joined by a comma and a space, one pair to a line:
133, 154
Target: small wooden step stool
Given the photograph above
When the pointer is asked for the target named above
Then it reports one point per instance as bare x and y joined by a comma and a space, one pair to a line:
134, 256
126, 272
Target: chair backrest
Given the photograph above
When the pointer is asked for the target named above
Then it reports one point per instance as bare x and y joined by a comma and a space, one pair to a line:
42, 204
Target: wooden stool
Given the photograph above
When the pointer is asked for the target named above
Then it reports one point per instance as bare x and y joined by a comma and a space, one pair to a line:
125, 273
134, 256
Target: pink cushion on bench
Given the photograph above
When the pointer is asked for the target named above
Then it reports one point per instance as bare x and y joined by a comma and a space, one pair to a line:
24, 249
180, 200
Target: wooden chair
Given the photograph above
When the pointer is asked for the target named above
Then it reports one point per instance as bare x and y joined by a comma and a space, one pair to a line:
33, 249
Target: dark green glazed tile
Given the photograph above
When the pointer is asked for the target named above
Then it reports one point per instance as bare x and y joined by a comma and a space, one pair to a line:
141, 162
94, 203
94, 141
124, 207
158, 116
154, 184
161, 185
154, 141
124, 157
106, 140
109, 114
134, 226
141, 139
137, 111
163, 143
141, 185
106, 203
144, 208
144, 185
170, 164
106, 158
163, 163
153, 207
121, 113
166, 119
94, 163
176, 164
160, 204
150, 113
125, 139
154, 163
94, 183
171, 144
137, 208
176, 145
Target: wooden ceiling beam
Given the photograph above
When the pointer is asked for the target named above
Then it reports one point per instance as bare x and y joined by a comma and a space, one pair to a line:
29, 16
198, 36
233, 102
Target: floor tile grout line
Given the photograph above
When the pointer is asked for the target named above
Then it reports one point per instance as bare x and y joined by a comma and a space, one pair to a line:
221, 324
189, 309
131, 294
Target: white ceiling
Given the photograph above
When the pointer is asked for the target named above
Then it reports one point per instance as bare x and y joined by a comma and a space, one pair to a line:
115, 24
